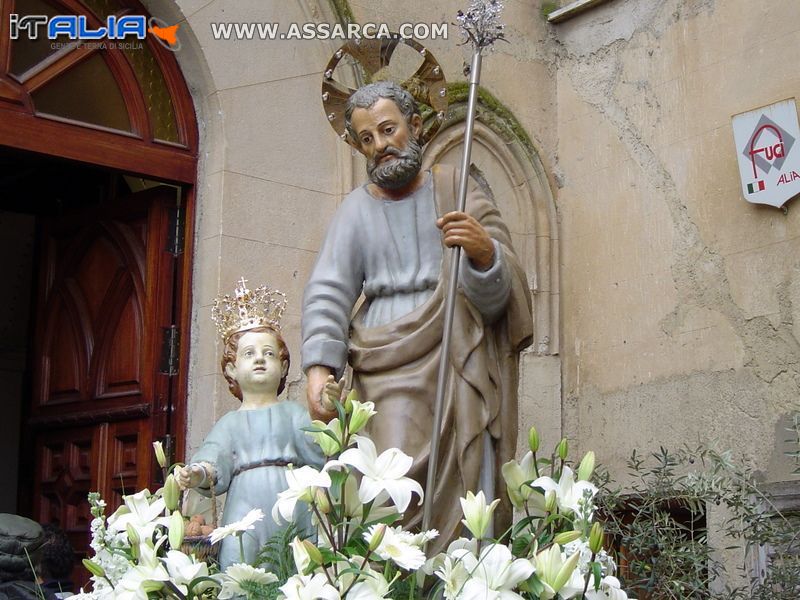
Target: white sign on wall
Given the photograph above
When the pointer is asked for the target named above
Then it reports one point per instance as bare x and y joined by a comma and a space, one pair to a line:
769, 153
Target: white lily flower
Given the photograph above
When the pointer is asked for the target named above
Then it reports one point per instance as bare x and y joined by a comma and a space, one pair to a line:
161, 457
142, 514
569, 493
354, 508
302, 484
246, 523
362, 412
494, 575
557, 575
147, 576
610, 589
147, 555
518, 477
477, 514
308, 587
373, 586
398, 546
327, 444
238, 574
468, 544
515, 475
183, 569
384, 472
452, 572
574, 586
304, 553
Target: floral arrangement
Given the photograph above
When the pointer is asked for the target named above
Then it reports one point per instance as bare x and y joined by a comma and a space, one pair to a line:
554, 550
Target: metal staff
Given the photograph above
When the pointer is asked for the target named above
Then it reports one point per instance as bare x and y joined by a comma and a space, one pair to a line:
481, 26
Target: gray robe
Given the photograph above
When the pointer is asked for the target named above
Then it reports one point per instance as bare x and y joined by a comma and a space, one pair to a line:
392, 250
241, 438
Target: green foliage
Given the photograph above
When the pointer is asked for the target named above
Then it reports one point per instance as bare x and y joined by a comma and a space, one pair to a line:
490, 111
659, 523
548, 6
260, 591
276, 556
344, 14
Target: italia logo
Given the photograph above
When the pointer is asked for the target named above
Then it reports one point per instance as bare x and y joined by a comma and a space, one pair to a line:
77, 27
757, 186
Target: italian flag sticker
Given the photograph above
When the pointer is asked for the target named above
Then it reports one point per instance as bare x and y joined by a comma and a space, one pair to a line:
756, 186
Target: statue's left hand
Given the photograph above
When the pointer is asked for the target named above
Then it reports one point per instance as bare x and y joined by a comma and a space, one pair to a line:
461, 229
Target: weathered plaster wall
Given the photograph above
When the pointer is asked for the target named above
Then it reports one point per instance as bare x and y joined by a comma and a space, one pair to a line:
680, 300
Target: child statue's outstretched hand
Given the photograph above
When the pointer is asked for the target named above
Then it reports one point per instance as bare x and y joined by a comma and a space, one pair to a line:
333, 391
194, 475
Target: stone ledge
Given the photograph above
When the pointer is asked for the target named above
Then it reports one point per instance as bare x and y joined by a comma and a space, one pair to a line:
572, 9
785, 495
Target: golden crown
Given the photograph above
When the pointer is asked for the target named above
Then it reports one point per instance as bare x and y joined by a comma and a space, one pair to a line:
247, 309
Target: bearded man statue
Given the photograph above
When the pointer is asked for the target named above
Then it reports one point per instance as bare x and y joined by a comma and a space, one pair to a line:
387, 241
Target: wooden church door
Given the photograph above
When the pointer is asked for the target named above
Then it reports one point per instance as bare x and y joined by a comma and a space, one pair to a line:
101, 389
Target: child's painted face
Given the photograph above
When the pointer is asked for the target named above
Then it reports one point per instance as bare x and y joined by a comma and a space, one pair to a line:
257, 367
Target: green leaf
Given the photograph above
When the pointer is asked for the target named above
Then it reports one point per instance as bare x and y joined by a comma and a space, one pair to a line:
354, 570
338, 477
536, 586
520, 544
313, 429
328, 555
342, 414
598, 573
520, 525
388, 520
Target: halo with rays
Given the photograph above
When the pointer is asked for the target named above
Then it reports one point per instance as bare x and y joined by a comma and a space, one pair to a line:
374, 58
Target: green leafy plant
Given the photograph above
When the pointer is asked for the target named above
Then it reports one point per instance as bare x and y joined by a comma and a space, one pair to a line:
276, 556
659, 524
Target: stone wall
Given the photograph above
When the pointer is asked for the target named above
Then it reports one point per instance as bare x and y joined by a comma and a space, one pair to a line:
680, 299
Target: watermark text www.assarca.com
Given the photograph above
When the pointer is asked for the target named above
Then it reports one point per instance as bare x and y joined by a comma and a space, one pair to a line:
325, 31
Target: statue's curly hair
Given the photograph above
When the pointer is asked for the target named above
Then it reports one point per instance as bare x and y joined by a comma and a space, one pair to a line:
367, 95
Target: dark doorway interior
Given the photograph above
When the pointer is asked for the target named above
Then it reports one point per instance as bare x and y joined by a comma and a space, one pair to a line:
90, 276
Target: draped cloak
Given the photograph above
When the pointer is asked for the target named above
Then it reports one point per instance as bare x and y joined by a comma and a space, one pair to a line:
396, 365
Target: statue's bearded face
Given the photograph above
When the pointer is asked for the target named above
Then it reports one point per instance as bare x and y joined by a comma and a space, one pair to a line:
389, 142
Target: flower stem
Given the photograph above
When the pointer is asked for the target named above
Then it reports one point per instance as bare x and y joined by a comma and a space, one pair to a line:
355, 579
328, 533
588, 575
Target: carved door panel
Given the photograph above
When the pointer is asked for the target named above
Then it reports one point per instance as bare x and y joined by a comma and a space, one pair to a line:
104, 297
